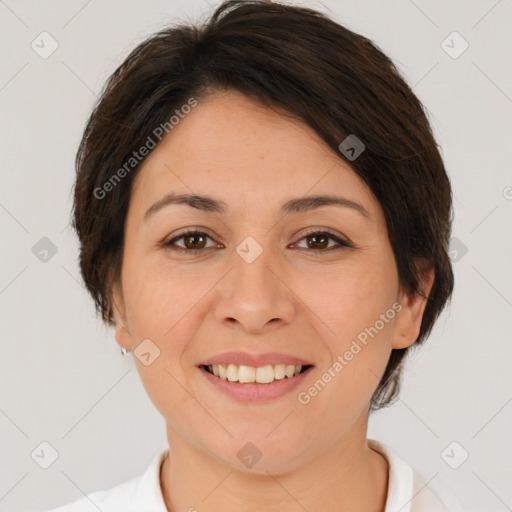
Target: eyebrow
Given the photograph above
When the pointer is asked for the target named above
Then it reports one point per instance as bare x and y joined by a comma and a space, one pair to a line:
297, 205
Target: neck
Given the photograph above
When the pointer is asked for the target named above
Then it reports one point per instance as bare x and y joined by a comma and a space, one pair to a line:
349, 476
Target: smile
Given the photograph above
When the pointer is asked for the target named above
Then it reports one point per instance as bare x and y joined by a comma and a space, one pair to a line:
255, 384
250, 374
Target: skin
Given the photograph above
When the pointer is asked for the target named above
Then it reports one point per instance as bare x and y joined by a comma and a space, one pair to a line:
194, 306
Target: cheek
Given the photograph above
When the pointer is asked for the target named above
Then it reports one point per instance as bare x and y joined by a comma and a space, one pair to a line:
352, 296
157, 296
358, 351
356, 303
161, 304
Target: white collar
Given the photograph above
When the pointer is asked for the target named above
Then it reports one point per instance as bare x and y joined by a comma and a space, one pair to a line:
400, 479
406, 492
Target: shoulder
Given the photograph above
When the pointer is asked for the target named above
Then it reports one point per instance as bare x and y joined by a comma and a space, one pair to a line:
106, 500
129, 496
408, 491
434, 495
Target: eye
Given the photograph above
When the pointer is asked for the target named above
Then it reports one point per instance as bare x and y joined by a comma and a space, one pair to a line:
319, 241
194, 242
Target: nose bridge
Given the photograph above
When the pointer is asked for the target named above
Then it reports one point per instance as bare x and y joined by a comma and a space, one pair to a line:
253, 294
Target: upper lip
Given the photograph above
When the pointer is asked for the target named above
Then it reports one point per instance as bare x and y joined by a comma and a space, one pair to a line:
242, 358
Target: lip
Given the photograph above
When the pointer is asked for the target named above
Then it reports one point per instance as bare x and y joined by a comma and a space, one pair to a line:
243, 358
255, 392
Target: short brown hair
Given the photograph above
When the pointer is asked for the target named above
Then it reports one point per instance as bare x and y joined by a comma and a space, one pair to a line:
302, 62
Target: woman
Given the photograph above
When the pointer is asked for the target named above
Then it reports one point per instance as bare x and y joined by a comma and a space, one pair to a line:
264, 218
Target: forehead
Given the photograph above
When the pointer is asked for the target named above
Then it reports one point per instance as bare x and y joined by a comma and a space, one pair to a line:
235, 148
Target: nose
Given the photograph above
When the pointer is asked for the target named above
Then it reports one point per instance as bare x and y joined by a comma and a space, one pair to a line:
254, 297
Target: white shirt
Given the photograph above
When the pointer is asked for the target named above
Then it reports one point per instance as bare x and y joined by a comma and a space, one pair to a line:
407, 491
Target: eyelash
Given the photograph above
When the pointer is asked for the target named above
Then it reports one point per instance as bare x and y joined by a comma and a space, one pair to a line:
169, 243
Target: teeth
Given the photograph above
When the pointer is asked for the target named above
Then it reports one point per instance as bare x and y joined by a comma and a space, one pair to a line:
248, 374
264, 374
232, 373
279, 371
290, 370
223, 371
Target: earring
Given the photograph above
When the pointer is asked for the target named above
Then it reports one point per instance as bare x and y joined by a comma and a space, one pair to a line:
124, 351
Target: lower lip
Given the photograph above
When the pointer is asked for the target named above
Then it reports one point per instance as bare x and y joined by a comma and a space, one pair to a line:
256, 392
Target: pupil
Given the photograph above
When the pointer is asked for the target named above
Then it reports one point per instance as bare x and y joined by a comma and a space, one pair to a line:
323, 243
193, 237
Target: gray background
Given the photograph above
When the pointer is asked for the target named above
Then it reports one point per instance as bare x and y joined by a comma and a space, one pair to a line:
62, 377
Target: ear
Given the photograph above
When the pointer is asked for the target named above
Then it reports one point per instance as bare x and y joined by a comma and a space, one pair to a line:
122, 332
408, 320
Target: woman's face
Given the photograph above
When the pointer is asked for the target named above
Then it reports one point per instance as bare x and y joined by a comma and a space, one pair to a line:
259, 282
